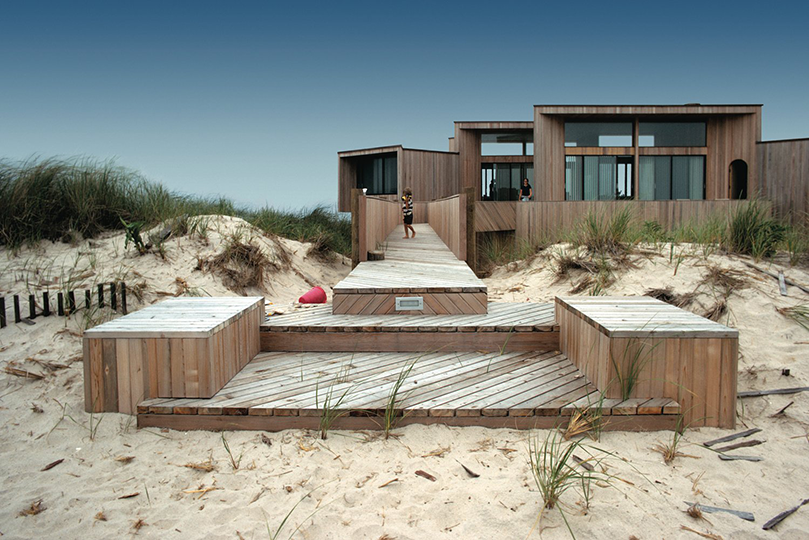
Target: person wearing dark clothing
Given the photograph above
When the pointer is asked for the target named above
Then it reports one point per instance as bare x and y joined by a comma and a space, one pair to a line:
526, 193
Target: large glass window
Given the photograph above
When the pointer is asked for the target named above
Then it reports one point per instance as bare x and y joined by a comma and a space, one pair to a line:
378, 174
502, 181
507, 143
671, 134
598, 134
671, 177
598, 178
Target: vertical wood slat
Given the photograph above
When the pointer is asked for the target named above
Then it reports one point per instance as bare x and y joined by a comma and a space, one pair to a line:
698, 372
539, 219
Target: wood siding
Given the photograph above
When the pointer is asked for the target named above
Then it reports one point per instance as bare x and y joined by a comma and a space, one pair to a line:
347, 172
731, 133
431, 175
375, 218
784, 178
447, 217
545, 218
699, 372
120, 372
495, 216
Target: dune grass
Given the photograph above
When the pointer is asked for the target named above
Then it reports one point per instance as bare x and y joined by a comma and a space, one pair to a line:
65, 199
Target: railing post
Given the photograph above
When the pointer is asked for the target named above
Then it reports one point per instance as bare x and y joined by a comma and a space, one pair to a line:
471, 237
356, 227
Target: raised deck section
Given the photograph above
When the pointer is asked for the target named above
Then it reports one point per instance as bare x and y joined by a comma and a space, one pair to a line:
658, 349
506, 327
181, 347
418, 267
519, 390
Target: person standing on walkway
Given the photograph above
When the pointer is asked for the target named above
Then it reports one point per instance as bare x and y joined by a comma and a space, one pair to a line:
526, 193
407, 212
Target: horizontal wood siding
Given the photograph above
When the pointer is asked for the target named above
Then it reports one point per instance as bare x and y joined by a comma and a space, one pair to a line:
447, 217
495, 216
549, 218
697, 372
784, 174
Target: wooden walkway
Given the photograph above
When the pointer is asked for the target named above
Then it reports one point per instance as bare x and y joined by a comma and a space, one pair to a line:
422, 267
286, 390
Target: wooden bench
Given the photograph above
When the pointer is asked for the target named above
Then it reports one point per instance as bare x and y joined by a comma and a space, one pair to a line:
179, 348
675, 354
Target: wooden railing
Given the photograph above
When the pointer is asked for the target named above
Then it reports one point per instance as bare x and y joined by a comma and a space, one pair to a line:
549, 218
372, 220
447, 217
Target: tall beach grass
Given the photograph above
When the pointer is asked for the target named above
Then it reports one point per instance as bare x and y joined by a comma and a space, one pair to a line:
61, 199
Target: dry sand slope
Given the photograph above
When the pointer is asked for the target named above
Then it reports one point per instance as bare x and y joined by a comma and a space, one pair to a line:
112, 479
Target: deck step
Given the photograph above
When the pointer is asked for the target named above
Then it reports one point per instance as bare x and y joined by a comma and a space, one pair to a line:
505, 327
287, 390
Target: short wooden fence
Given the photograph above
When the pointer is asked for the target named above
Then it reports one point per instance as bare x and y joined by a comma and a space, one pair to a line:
66, 303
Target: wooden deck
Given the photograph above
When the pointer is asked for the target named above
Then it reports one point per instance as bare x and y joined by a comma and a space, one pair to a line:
418, 267
506, 327
519, 390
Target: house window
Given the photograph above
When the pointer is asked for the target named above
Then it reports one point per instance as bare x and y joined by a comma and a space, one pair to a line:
602, 134
598, 178
378, 174
671, 177
507, 143
502, 181
662, 134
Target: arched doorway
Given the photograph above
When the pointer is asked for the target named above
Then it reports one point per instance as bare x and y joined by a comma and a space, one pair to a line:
738, 179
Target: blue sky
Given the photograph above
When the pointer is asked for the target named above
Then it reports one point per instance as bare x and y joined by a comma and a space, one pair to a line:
253, 100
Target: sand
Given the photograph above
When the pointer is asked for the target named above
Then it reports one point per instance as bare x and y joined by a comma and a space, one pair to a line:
117, 480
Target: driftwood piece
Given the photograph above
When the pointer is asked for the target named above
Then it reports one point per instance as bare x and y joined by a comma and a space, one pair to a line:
426, 475
775, 276
782, 283
777, 391
782, 411
743, 444
726, 457
732, 437
583, 463
782, 516
469, 471
747, 516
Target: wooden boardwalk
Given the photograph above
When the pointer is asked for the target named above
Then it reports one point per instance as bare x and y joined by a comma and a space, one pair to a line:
286, 390
418, 267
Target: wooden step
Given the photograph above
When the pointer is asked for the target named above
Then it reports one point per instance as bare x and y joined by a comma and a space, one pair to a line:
506, 327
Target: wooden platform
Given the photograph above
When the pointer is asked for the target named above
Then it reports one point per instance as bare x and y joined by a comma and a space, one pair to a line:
181, 347
520, 390
672, 352
506, 327
418, 267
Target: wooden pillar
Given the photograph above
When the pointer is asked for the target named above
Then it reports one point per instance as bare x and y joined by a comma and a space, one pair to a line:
471, 237
636, 161
355, 227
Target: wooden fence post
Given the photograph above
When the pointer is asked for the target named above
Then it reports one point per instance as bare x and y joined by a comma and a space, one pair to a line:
32, 307
46, 304
113, 297
471, 236
123, 298
2, 312
71, 302
60, 304
100, 295
356, 194
17, 317
88, 301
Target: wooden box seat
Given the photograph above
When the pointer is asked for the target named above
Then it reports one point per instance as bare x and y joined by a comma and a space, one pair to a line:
179, 348
674, 353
